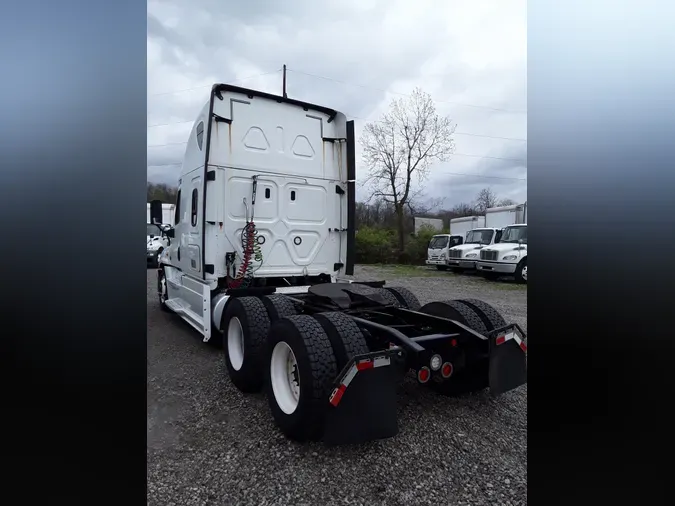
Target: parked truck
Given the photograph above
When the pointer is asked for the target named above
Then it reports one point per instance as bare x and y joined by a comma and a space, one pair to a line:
263, 236
508, 257
465, 256
432, 223
160, 218
167, 211
437, 251
462, 226
500, 217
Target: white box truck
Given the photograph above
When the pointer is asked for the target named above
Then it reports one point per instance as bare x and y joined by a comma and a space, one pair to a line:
168, 211
432, 223
264, 230
465, 256
500, 217
462, 226
437, 250
508, 257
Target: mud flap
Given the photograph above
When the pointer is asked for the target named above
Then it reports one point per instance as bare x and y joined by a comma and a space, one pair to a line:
508, 362
362, 405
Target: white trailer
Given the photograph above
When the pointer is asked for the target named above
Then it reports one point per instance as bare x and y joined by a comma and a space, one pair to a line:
462, 226
500, 217
168, 213
433, 223
264, 230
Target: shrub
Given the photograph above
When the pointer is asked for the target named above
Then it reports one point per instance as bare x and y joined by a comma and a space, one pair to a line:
375, 245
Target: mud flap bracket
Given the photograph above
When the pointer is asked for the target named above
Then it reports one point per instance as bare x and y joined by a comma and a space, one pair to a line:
362, 403
508, 362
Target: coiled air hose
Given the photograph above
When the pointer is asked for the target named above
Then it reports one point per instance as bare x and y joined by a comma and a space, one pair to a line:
251, 249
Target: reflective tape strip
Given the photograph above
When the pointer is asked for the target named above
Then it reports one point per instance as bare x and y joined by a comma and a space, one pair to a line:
508, 337
362, 365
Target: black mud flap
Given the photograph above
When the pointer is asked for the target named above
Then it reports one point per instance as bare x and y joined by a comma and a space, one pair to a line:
508, 363
362, 405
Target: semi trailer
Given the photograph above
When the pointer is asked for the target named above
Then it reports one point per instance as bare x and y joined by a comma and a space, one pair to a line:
263, 238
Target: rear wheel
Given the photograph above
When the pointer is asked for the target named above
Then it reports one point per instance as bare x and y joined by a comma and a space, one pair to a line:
490, 316
245, 326
407, 299
388, 297
278, 306
344, 335
463, 380
301, 367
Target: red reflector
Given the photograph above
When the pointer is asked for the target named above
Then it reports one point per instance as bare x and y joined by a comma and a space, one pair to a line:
362, 366
523, 346
501, 340
453, 343
446, 371
423, 375
335, 400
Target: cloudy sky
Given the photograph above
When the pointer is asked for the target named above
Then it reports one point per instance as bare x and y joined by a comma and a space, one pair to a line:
354, 56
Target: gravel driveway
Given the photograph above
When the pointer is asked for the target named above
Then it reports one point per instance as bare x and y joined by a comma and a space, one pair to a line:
210, 444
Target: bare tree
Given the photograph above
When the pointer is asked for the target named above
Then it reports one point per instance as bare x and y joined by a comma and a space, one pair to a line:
485, 200
400, 147
506, 202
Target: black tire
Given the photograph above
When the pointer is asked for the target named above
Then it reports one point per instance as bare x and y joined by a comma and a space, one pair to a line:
490, 316
519, 272
442, 267
255, 324
390, 299
162, 291
456, 310
317, 369
279, 306
406, 298
345, 336
463, 381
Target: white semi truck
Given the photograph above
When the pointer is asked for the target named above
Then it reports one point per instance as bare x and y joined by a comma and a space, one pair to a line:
438, 248
508, 257
263, 233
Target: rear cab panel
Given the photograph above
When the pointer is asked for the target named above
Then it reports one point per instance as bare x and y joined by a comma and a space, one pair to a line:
299, 153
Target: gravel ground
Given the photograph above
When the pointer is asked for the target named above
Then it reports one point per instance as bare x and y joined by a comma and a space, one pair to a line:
210, 444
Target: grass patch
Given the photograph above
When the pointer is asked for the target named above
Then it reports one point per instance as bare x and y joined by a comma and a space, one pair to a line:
423, 271
413, 271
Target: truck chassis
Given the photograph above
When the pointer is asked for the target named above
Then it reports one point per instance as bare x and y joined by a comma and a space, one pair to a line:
331, 355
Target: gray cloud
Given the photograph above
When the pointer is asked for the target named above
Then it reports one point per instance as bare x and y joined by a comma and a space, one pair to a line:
460, 52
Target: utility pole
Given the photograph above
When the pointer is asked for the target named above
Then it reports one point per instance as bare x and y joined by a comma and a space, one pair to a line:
284, 84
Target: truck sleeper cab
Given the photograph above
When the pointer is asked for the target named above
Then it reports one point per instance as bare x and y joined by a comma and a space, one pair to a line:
465, 256
508, 257
437, 251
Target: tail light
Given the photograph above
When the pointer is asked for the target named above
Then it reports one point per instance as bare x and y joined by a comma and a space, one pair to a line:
446, 370
423, 374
